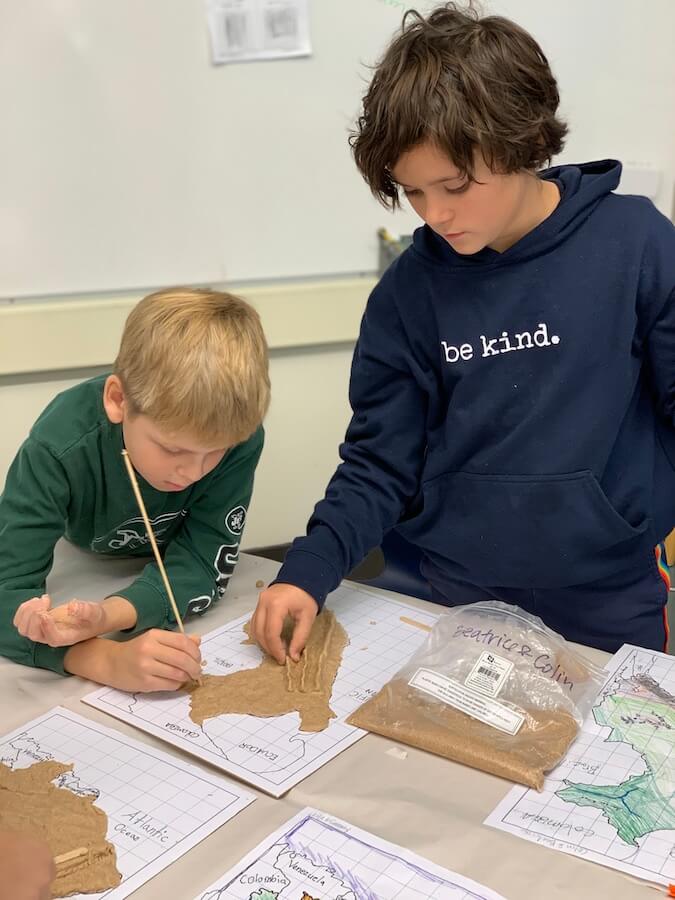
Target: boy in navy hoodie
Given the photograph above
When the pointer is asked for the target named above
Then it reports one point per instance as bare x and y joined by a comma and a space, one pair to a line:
513, 385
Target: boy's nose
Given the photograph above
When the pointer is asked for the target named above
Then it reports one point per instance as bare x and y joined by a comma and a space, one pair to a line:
192, 471
439, 217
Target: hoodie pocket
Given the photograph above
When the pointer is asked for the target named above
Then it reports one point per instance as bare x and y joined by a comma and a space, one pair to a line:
524, 531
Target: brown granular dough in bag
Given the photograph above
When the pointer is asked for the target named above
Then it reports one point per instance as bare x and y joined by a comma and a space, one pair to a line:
405, 714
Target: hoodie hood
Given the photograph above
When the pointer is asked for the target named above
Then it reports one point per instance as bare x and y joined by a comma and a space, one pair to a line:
581, 187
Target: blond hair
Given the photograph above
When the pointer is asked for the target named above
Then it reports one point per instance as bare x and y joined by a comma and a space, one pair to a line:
195, 360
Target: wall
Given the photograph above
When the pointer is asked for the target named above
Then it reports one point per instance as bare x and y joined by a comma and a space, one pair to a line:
129, 161
135, 162
616, 68
310, 358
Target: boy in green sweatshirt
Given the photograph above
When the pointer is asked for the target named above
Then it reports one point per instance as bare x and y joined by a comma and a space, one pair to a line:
186, 398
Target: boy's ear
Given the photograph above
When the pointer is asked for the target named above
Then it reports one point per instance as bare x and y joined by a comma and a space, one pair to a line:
113, 399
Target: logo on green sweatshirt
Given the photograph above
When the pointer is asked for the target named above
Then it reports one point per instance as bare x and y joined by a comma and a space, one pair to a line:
235, 520
131, 535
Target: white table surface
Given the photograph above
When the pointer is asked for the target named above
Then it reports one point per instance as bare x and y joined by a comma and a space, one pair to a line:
428, 804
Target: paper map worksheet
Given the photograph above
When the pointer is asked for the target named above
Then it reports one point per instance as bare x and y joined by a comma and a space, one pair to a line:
158, 807
318, 857
611, 799
272, 753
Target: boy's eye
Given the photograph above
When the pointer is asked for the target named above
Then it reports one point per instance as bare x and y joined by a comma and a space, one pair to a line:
458, 190
414, 192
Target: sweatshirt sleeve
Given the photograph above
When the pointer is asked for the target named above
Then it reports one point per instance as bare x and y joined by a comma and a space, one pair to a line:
382, 457
657, 312
33, 510
201, 558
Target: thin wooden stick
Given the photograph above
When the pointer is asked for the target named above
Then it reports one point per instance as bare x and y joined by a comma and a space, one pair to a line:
151, 535
65, 858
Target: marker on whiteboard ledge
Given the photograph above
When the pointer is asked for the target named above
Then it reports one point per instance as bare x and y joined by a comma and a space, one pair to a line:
389, 238
671, 890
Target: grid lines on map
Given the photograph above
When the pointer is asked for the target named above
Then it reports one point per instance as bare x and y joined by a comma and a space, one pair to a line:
329, 859
611, 799
157, 808
272, 753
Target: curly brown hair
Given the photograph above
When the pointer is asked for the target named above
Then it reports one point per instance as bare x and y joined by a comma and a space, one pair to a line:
465, 83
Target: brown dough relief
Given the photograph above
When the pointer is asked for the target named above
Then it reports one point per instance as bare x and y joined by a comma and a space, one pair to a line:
273, 690
29, 802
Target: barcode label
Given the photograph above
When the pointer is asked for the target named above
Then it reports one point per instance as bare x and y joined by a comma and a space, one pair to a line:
467, 700
489, 674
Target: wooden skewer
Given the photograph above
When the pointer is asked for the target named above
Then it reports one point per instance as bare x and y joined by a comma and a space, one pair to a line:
155, 549
151, 535
63, 858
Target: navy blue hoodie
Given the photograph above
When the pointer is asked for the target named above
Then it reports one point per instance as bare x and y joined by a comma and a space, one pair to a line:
513, 412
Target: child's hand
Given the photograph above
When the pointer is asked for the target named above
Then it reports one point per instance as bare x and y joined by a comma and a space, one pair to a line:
26, 867
154, 661
62, 626
274, 604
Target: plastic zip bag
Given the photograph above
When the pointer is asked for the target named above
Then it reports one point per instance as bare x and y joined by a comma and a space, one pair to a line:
492, 687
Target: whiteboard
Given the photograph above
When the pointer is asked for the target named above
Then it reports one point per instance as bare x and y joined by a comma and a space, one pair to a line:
128, 160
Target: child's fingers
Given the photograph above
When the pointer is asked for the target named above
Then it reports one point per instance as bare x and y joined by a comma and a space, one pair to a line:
21, 617
182, 664
82, 612
168, 671
66, 614
155, 683
78, 610
34, 630
258, 626
28, 608
197, 641
181, 642
270, 638
51, 634
303, 626
254, 625
31, 628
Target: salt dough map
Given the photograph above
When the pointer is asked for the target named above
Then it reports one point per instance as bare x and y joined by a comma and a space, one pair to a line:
157, 807
317, 857
612, 799
304, 686
272, 753
68, 819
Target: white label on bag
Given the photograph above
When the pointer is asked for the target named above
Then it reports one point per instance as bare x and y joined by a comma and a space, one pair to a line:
489, 674
467, 700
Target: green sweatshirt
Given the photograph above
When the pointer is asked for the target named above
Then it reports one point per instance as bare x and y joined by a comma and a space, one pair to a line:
69, 478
